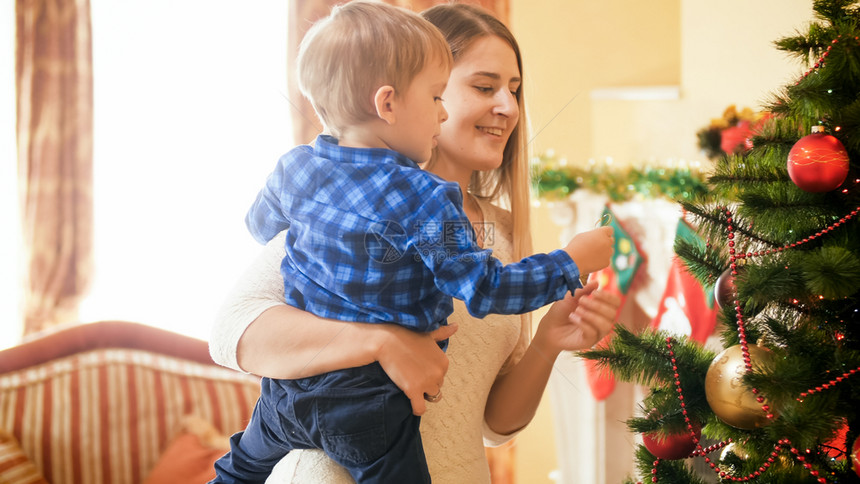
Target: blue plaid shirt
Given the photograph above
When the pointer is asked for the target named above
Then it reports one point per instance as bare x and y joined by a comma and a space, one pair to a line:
374, 238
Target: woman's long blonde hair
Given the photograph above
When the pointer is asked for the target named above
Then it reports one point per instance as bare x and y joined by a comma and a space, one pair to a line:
462, 24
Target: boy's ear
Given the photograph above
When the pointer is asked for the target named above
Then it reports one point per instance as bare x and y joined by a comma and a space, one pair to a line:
383, 101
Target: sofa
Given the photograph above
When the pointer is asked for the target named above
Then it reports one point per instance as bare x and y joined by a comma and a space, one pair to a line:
116, 402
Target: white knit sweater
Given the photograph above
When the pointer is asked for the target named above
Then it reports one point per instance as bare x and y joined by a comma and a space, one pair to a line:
453, 430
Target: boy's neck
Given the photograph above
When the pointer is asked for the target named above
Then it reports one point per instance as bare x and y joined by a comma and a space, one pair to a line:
361, 136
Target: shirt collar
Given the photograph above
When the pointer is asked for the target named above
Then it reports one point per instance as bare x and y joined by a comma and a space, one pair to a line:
326, 146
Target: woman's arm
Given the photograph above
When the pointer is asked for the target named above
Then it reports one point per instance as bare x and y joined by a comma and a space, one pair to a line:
288, 343
256, 332
574, 323
285, 342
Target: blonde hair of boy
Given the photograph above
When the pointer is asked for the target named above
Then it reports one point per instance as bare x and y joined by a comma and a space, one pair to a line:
360, 47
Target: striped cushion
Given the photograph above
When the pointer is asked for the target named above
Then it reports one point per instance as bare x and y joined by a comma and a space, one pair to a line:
105, 416
15, 466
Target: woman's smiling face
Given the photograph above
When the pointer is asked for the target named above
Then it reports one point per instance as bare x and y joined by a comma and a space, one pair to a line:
482, 106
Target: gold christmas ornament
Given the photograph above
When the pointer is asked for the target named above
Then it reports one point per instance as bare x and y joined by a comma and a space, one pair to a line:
732, 401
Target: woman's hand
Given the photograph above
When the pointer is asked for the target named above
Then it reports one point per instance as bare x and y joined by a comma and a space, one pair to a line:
574, 323
414, 362
579, 321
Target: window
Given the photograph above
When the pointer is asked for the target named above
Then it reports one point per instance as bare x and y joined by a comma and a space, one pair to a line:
190, 117
9, 220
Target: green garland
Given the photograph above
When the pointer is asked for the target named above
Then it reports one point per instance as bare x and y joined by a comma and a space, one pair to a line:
556, 180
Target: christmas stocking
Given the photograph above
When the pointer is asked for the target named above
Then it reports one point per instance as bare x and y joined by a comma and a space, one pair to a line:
617, 278
686, 308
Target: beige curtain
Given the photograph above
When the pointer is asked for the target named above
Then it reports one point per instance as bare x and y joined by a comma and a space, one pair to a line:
54, 133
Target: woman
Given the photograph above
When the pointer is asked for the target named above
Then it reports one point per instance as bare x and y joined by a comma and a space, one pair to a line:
496, 378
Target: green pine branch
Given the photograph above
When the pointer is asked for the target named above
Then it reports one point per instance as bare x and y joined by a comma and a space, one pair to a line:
850, 124
705, 263
712, 224
806, 45
644, 359
835, 11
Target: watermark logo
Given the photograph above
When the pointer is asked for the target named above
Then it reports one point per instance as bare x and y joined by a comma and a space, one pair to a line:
448, 240
386, 240
377, 241
485, 232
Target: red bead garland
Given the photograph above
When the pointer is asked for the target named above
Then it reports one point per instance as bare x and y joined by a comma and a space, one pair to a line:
745, 345
820, 61
742, 335
681, 393
792, 245
742, 330
826, 386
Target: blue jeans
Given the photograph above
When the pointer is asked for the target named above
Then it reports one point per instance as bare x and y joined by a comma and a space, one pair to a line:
357, 416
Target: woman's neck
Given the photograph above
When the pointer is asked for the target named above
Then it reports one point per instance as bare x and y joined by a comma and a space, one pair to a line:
462, 177
451, 172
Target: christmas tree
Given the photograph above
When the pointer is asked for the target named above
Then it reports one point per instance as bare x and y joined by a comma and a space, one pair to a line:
780, 243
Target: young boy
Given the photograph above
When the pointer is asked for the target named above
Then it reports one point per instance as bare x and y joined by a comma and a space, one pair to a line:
373, 238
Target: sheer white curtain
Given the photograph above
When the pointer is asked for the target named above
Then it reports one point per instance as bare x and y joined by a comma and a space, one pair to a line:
190, 117
10, 315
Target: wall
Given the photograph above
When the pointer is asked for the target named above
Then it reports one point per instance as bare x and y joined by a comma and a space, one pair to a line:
572, 47
582, 60
712, 54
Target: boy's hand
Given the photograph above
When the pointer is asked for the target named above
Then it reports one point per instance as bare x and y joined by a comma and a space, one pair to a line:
592, 250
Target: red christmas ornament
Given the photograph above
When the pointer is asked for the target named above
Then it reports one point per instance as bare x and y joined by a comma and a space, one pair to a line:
675, 446
724, 290
838, 445
818, 162
855, 456
736, 139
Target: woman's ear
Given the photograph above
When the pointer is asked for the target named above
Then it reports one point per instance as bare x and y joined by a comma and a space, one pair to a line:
383, 101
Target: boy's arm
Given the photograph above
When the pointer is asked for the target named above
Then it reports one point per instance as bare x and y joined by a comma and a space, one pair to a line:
443, 239
487, 286
465, 271
266, 218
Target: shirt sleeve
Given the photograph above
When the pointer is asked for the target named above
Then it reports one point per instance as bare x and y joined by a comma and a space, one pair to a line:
260, 288
463, 270
266, 218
